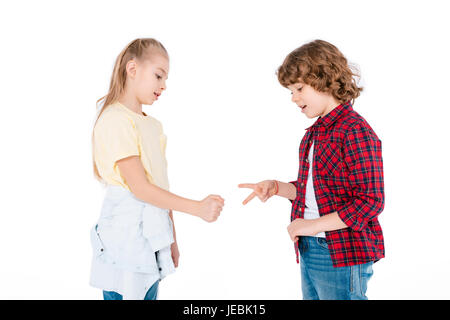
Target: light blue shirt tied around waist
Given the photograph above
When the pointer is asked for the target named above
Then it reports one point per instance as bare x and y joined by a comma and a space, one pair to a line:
131, 244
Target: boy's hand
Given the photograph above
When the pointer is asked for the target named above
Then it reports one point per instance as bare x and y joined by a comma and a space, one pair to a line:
302, 227
264, 190
210, 207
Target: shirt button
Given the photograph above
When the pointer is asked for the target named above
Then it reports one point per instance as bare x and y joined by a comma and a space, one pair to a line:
101, 249
160, 269
302, 184
307, 161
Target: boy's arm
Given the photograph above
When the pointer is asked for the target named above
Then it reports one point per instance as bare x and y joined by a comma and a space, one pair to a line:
311, 227
295, 183
329, 222
268, 188
287, 190
362, 155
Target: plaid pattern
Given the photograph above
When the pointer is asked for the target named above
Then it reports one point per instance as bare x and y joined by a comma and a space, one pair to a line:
348, 178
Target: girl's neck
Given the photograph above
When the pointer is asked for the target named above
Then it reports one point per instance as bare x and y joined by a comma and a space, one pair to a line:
131, 103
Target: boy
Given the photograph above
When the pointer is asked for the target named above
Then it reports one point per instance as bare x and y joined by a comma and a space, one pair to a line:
339, 191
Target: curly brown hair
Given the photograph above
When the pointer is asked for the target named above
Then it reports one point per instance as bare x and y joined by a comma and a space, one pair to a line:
322, 66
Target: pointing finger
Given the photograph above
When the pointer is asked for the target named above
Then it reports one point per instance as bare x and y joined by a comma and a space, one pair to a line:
250, 197
247, 185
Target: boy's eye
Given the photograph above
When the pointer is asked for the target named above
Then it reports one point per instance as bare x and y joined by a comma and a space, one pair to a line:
158, 76
298, 89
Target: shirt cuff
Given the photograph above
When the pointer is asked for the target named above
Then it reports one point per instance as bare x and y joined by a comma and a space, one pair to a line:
351, 218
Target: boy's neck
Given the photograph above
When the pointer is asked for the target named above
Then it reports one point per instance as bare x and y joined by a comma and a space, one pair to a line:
332, 104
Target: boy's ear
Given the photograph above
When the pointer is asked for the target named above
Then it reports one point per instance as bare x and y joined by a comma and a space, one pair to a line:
131, 69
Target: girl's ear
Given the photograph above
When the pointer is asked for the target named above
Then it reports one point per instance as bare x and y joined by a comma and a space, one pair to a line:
131, 69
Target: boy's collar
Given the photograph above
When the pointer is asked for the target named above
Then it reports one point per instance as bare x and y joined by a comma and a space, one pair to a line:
333, 115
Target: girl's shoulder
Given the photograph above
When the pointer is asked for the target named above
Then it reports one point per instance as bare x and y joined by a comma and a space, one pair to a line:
114, 115
158, 124
152, 121
114, 110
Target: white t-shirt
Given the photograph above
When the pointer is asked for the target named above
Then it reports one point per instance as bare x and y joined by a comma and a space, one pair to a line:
311, 209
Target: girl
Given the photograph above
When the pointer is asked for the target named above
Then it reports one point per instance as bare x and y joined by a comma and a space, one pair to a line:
339, 192
134, 242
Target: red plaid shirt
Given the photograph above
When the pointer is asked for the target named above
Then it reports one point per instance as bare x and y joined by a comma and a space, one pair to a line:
348, 178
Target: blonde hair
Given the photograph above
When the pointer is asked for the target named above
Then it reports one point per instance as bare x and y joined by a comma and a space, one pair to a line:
141, 48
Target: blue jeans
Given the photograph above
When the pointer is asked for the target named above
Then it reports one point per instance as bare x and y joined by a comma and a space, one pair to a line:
150, 295
322, 281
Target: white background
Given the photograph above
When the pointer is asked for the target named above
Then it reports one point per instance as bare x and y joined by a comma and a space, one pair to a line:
228, 121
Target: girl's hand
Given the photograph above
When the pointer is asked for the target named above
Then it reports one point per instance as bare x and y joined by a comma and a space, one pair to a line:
264, 190
302, 227
210, 207
175, 253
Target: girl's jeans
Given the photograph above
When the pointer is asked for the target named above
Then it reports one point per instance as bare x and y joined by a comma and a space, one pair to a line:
322, 281
150, 295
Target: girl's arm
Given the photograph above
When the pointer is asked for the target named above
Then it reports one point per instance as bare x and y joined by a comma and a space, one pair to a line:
133, 173
174, 246
173, 223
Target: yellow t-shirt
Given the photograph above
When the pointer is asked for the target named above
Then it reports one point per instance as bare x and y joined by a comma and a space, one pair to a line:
121, 133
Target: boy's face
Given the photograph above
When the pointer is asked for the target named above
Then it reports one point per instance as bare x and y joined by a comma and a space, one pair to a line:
313, 103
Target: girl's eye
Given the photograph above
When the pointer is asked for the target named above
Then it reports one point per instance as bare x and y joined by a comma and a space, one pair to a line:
158, 76
300, 89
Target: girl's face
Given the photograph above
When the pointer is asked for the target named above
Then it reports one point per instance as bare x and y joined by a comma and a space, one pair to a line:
313, 103
150, 78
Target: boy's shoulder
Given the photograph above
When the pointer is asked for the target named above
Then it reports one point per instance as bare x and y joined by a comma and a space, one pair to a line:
353, 122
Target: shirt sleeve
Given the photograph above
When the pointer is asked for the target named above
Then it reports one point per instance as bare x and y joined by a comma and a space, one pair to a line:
115, 137
362, 156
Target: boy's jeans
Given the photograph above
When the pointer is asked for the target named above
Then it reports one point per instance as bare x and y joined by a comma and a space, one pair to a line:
321, 281
150, 295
